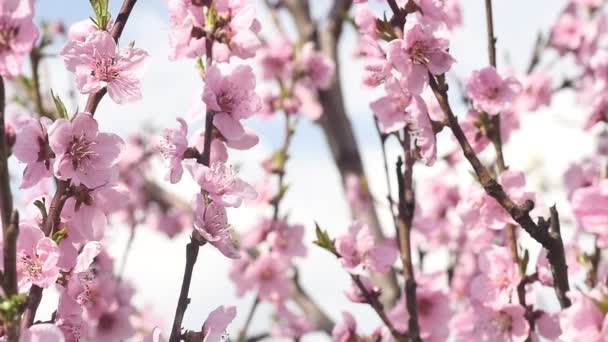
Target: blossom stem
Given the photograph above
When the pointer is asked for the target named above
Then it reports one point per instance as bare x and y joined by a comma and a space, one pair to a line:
192, 249
117, 28
62, 193
379, 309
243, 333
196, 241
9, 219
389, 196
550, 239
407, 205
35, 64
494, 130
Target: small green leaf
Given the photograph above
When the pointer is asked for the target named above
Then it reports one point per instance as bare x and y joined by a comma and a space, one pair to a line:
102, 14
279, 196
324, 241
523, 263
63, 113
59, 235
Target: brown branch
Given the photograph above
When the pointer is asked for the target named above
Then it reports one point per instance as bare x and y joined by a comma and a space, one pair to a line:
192, 249
551, 241
311, 308
62, 193
337, 126
379, 309
407, 206
493, 129
243, 333
8, 218
117, 28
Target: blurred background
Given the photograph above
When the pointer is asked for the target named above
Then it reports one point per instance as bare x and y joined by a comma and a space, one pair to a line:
544, 146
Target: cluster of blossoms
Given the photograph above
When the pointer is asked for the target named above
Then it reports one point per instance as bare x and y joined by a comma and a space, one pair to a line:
458, 266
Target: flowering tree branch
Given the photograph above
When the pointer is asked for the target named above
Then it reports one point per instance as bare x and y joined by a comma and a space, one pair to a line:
335, 122
550, 240
407, 204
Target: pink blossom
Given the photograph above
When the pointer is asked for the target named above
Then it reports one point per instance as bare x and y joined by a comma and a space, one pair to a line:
212, 223
346, 329
537, 92
240, 37
232, 98
114, 325
237, 274
357, 193
423, 50
98, 64
290, 326
172, 147
390, 109
32, 147
567, 33
479, 323
276, 58
498, 278
582, 174
69, 318
377, 68
45, 332
583, 320
80, 30
216, 323
186, 37
37, 258
491, 93
222, 184
358, 251
365, 19
86, 212
356, 295
483, 210
83, 154
591, 210
19, 34
286, 241
433, 305
318, 68
268, 276
219, 151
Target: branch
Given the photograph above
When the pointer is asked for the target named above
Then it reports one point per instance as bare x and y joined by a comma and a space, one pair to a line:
117, 28
551, 241
243, 333
407, 205
192, 249
379, 309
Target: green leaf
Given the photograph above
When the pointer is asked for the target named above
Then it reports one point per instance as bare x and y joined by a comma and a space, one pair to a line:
324, 241
63, 113
10, 307
523, 264
102, 13
279, 196
59, 235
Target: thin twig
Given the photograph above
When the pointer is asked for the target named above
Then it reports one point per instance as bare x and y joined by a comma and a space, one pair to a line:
551, 241
407, 204
243, 333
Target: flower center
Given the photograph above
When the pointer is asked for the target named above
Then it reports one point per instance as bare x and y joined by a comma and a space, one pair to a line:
226, 102
106, 322
8, 32
267, 275
31, 266
81, 151
418, 54
503, 322
105, 69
